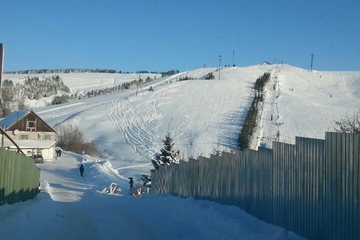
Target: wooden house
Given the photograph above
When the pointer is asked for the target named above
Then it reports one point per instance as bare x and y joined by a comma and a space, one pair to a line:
30, 133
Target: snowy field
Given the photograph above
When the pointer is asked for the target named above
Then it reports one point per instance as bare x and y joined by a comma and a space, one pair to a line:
128, 128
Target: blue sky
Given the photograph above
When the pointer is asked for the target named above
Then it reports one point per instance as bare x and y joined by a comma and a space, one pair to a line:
160, 35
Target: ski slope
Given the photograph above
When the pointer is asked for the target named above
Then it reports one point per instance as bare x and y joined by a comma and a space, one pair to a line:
203, 116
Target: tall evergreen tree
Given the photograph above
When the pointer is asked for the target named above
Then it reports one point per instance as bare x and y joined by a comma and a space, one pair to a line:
167, 154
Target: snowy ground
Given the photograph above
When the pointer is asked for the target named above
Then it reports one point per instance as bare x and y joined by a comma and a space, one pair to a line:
73, 207
128, 128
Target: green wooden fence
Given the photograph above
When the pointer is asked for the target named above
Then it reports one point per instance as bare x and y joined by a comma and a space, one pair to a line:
19, 177
311, 188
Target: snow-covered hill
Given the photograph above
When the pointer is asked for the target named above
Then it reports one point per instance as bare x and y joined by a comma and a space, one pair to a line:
307, 103
203, 116
128, 127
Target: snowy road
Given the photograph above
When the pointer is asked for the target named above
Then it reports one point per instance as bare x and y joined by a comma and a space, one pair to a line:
71, 207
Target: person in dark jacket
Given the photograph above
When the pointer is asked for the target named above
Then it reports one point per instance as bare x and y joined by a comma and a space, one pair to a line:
81, 168
58, 151
131, 182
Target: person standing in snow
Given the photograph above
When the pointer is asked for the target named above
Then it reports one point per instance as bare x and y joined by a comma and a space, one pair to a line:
58, 151
131, 182
81, 168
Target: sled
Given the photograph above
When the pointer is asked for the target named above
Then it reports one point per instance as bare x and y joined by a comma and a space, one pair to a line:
113, 188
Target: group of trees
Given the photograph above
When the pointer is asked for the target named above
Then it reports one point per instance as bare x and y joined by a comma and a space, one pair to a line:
169, 73
100, 92
185, 78
73, 70
72, 139
85, 70
121, 87
35, 88
66, 70
250, 124
13, 96
208, 76
8, 95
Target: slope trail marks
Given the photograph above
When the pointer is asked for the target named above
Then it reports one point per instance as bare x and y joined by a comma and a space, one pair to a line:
138, 124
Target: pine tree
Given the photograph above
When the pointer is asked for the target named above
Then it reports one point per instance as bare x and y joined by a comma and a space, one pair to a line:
167, 154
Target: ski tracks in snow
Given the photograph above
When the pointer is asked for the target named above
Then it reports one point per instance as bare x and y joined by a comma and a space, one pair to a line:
138, 124
270, 115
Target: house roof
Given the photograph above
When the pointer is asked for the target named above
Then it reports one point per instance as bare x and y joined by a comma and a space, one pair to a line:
16, 116
13, 118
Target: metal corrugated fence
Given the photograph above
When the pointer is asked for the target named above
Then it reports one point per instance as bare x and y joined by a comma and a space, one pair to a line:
311, 188
19, 177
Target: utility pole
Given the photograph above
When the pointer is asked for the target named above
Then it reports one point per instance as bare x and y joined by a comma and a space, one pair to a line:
233, 58
312, 58
137, 86
219, 65
1, 68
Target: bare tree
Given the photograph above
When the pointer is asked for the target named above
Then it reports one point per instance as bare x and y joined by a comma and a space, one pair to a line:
349, 124
70, 138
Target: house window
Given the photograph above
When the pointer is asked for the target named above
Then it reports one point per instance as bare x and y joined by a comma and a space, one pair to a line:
23, 137
31, 126
45, 137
